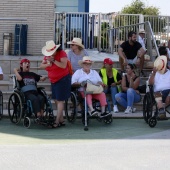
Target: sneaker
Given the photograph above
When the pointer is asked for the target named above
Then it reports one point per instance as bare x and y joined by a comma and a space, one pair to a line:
128, 110
161, 113
115, 109
105, 114
92, 113
142, 74
133, 109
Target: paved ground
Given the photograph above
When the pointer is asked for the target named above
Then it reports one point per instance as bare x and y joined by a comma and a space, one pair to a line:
125, 144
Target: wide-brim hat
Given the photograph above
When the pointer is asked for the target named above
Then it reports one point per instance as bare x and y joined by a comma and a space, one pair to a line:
76, 41
160, 64
86, 59
141, 31
50, 48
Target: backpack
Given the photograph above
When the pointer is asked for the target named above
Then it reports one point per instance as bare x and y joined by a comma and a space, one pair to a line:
70, 68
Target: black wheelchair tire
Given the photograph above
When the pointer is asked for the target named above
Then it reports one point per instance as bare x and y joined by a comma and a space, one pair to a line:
1, 104
73, 106
15, 103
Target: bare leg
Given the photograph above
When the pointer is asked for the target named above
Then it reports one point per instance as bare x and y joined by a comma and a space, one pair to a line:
60, 108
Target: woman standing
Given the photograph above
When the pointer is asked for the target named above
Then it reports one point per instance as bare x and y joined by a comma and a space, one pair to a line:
55, 63
111, 80
130, 94
76, 53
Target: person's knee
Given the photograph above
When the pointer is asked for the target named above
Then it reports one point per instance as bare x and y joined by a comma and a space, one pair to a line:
117, 97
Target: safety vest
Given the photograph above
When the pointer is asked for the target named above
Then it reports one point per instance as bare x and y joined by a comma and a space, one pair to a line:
104, 77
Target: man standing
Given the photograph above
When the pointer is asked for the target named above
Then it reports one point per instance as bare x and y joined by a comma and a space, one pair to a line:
132, 52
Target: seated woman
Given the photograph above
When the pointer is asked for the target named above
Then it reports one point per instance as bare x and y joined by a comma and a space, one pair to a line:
160, 79
111, 79
130, 93
76, 53
84, 74
28, 83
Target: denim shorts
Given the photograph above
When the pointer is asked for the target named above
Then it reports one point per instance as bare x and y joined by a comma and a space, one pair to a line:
165, 93
61, 90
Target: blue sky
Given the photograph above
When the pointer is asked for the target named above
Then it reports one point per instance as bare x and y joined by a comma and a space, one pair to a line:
106, 6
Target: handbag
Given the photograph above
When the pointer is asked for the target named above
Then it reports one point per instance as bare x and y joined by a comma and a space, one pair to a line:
93, 89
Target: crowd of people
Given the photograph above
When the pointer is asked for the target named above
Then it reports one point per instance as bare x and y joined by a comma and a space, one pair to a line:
123, 88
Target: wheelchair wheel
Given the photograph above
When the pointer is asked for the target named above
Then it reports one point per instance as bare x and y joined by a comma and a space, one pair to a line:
147, 107
1, 104
27, 122
152, 122
108, 119
71, 108
15, 108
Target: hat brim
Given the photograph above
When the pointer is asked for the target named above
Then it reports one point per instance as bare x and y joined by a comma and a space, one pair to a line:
46, 53
80, 62
70, 43
156, 63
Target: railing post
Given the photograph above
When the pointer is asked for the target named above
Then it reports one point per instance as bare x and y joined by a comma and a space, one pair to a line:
141, 20
99, 33
63, 30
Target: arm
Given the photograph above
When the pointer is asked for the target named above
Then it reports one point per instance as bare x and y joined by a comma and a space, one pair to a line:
123, 84
19, 78
62, 63
134, 84
152, 77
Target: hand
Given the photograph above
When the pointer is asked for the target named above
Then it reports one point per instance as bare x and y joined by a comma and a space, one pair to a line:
154, 70
113, 84
43, 78
17, 70
125, 62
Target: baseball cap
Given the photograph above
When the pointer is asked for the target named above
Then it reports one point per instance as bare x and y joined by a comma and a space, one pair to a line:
108, 61
24, 61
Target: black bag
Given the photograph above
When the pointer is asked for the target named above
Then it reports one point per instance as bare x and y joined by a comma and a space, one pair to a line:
142, 88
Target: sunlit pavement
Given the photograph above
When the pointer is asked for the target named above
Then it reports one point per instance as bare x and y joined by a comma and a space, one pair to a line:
125, 144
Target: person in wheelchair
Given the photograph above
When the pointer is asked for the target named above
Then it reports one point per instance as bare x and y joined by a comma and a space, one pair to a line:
111, 79
160, 79
130, 93
28, 84
84, 74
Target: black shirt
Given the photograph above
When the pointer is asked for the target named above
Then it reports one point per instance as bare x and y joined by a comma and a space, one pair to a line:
130, 50
28, 78
111, 80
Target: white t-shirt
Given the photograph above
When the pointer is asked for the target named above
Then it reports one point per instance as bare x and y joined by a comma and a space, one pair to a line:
141, 41
162, 81
1, 70
79, 76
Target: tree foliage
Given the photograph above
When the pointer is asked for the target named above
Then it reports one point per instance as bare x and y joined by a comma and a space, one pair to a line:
139, 7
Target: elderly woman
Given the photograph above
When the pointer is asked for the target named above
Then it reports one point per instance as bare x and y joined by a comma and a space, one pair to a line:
160, 79
76, 53
55, 63
111, 80
130, 94
84, 74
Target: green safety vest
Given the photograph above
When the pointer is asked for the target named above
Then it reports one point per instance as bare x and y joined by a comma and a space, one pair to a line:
104, 77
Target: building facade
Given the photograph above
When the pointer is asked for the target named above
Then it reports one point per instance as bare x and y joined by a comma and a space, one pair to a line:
39, 16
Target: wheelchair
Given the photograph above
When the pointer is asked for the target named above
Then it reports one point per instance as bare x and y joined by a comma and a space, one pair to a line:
150, 110
76, 100
19, 107
1, 104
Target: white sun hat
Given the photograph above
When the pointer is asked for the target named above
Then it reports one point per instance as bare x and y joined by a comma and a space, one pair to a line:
50, 48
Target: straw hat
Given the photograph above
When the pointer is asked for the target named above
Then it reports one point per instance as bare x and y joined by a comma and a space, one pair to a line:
86, 59
76, 41
160, 64
141, 31
50, 48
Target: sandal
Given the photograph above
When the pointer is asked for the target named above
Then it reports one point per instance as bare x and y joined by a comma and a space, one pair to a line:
56, 125
62, 123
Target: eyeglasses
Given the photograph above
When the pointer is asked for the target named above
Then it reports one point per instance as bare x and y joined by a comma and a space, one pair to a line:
72, 44
87, 64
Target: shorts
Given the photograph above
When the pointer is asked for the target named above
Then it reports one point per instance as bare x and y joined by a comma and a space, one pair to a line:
61, 89
132, 61
165, 93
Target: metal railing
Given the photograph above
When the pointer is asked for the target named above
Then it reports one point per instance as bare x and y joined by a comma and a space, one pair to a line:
93, 28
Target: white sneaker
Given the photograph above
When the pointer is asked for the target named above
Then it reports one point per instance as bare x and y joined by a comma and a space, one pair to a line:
128, 110
133, 109
115, 109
